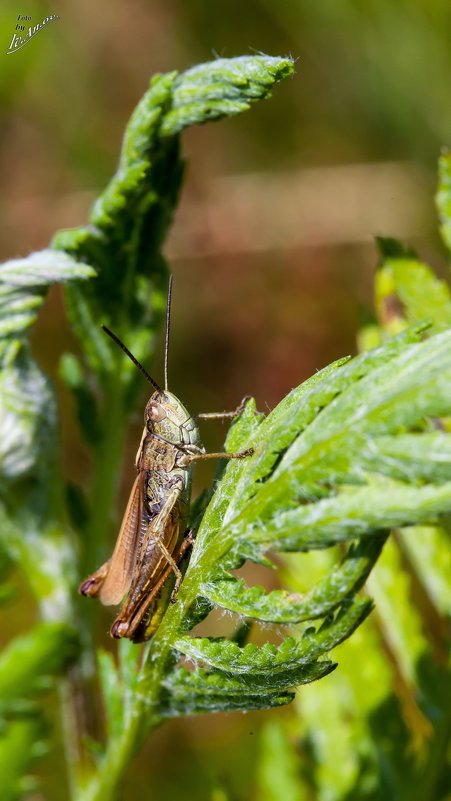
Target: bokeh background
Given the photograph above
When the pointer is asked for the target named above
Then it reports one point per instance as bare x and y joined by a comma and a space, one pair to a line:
272, 247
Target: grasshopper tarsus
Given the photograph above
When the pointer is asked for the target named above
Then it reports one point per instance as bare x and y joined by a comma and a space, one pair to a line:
225, 415
190, 539
244, 454
174, 593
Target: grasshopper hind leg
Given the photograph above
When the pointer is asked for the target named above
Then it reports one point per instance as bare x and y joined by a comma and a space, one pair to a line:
141, 621
156, 609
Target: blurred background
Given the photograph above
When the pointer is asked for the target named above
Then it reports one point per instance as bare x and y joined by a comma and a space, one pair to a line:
272, 247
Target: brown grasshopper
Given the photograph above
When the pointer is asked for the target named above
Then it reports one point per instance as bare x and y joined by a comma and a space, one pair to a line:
150, 543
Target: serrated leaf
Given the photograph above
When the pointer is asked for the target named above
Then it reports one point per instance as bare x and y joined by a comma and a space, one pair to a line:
395, 396
27, 406
194, 689
298, 411
27, 419
282, 606
221, 88
204, 702
347, 455
353, 512
23, 285
213, 683
267, 659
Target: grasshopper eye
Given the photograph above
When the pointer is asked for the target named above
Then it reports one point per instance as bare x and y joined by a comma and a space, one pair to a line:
154, 412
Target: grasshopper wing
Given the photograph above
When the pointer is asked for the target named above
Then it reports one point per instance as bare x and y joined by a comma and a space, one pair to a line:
120, 569
154, 563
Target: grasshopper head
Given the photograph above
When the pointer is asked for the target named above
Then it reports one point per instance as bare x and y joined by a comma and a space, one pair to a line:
164, 406
166, 418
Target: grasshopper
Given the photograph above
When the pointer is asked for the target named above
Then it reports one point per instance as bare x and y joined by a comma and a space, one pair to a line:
150, 543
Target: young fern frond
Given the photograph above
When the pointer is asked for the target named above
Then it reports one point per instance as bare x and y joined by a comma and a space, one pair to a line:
130, 219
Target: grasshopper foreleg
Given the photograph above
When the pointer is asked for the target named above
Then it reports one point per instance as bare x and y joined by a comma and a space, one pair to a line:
198, 455
192, 453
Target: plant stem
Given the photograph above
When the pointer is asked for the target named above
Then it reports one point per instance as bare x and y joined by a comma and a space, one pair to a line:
76, 762
144, 708
117, 757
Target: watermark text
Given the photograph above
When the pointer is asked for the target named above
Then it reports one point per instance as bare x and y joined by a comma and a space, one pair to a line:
27, 31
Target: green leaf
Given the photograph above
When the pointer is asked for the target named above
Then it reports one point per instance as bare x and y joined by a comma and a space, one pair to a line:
304, 409
282, 606
267, 660
407, 292
394, 396
222, 88
23, 286
27, 419
352, 513
27, 406
199, 691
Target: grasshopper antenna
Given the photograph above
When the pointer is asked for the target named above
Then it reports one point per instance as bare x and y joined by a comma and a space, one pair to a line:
130, 356
168, 324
